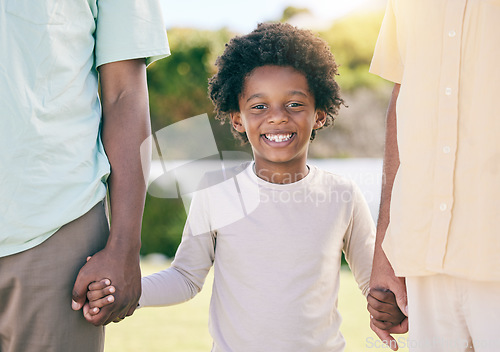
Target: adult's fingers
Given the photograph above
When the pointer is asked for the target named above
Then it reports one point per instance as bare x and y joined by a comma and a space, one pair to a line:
79, 293
383, 296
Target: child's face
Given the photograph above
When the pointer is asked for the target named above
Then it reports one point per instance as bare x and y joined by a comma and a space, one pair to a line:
277, 112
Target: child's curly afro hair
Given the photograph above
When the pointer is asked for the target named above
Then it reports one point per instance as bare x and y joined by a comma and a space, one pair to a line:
275, 44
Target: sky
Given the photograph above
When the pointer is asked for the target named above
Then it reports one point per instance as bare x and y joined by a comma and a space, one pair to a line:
243, 16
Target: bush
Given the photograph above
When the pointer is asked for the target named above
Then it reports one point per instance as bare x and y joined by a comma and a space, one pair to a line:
162, 225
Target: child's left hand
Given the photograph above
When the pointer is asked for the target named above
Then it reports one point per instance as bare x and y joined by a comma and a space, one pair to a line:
384, 310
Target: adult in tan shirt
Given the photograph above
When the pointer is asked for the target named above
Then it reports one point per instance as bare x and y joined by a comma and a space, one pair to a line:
441, 196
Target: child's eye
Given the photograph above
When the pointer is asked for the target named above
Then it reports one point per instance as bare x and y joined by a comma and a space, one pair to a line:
295, 105
259, 107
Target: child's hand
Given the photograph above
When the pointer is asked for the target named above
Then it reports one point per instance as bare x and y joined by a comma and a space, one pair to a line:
100, 295
384, 309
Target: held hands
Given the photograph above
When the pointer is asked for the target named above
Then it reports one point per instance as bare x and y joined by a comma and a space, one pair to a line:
123, 271
383, 281
385, 316
384, 310
99, 295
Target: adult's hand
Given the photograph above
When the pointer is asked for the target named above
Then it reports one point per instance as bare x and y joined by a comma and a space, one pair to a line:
124, 273
383, 278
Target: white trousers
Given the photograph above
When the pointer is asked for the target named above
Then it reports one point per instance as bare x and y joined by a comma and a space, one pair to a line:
448, 314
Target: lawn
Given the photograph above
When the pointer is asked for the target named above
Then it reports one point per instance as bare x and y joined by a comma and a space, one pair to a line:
183, 328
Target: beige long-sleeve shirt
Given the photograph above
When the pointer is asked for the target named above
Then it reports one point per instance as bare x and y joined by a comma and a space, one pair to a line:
276, 251
446, 196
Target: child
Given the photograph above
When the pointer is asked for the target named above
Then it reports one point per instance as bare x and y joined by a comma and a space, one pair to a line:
276, 267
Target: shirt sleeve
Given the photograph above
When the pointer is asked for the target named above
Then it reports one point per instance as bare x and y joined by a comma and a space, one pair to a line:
387, 61
359, 241
193, 260
130, 29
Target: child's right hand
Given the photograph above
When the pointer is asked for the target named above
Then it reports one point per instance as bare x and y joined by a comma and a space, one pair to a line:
100, 295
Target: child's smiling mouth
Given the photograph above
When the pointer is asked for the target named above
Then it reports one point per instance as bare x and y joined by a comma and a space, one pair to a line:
278, 137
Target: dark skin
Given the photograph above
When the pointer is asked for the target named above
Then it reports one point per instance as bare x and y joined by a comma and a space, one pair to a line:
383, 277
384, 311
267, 105
125, 126
272, 95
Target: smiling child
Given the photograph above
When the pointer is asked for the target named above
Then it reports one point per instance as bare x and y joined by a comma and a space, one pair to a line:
276, 267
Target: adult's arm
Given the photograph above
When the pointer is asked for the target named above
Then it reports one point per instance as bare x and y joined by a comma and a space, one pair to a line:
125, 126
383, 276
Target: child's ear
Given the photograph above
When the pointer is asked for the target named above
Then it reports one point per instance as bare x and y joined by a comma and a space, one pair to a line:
236, 122
320, 119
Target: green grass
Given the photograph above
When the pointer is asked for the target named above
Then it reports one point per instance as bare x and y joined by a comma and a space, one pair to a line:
184, 327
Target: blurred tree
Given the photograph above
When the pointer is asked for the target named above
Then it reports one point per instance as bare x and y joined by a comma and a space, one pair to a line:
292, 11
162, 225
178, 90
178, 85
352, 40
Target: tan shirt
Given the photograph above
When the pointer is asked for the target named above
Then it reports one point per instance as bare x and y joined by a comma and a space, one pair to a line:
276, 251
446, 196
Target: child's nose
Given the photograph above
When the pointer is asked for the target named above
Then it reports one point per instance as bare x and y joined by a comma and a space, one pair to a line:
278, 115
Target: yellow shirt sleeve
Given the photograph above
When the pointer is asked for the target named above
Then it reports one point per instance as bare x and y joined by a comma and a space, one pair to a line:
387, 60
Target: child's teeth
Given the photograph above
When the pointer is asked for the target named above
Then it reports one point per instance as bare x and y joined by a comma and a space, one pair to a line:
279, 137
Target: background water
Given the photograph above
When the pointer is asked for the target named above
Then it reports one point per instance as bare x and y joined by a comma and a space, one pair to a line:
367, 173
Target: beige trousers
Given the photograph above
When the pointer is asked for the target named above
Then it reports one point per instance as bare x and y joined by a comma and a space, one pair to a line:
36, 286
448, 314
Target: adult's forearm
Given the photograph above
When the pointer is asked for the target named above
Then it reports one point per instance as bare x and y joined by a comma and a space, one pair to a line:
126, 125
391, 165
383, 276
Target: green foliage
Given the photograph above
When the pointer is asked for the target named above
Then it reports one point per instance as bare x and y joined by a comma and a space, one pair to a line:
178, 85
352, 40
178, 90
292, 11
162, 226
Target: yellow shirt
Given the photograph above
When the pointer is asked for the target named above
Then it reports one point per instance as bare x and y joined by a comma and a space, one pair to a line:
446, 196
